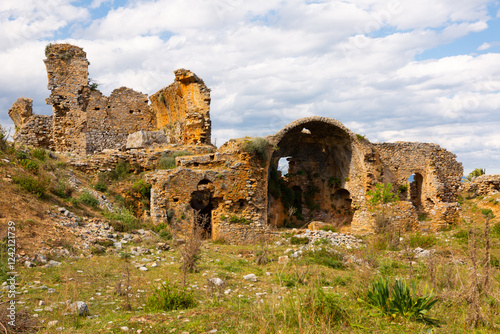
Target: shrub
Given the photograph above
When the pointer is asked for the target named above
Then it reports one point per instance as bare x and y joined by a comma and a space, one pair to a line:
403, 188
121, 171
101, 186
122, 220
40, 154
87, 199
32, 184
299, 241
142, 188
62, 189
3, 261
420, 240
30, 165
168, 298
382, 194
257, 146
487, 213
401, 301
21, 155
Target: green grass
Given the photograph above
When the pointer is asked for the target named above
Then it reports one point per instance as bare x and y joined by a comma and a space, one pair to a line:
168, 298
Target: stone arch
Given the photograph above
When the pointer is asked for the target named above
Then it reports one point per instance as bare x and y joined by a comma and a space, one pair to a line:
322, 158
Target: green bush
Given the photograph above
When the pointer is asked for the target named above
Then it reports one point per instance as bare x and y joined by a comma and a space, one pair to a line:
403, 188
424, 241
101, 186
122, 220
142, 188
21, 155
34, 185
334, 182
167, 298
488, 213
299, 241
257, 146
382, 194
63, 189
87, 199
402, 301
40, 154
121, 171
30, 165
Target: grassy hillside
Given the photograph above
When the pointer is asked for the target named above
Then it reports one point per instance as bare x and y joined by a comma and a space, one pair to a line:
140, 278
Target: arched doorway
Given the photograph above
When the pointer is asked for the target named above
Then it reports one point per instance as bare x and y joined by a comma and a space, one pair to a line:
202, 202
311, 162
342, 206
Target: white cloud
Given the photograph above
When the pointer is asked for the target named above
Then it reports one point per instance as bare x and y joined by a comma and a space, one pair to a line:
270, 62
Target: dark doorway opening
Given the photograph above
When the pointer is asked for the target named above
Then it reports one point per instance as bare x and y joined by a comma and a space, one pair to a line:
202, 203
416, 181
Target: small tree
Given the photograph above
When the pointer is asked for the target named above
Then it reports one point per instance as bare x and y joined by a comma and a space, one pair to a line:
475, 173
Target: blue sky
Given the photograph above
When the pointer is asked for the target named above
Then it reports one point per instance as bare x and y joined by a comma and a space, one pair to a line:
389, 69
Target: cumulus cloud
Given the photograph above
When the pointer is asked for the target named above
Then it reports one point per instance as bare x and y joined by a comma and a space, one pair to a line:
270, 62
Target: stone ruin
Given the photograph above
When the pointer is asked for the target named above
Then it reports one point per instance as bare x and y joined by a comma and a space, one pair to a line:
312, 170
84, 121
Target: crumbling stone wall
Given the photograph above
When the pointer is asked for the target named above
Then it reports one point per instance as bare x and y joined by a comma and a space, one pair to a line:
37, 132
229, 186
21, 111
183, 109
85, 121
436, 176
110, 120
482, 186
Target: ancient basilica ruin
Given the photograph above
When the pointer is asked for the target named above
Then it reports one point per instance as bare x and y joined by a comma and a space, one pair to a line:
241, 188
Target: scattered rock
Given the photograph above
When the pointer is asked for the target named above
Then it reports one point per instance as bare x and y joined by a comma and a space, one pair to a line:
80, 307
250, 277
217, 281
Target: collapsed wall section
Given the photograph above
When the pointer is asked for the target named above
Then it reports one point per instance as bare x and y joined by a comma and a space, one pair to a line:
110, 120
225, 192
67, 72
428, 175
183, 109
